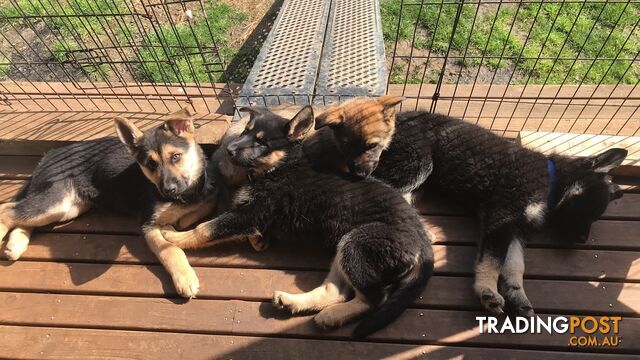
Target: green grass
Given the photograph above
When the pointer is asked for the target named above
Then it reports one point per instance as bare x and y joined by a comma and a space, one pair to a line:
171, 42
572, 30
70, 28
169, 55
4, 67
80, 25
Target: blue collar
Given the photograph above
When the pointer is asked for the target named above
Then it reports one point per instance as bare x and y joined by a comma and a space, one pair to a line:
551, 200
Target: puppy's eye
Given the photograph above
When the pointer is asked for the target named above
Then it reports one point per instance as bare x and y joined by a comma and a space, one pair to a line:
176, 157
152, 165
372, 146
261, 141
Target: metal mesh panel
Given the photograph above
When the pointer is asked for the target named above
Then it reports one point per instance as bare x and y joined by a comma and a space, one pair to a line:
118, 55
552, 65
511, 66
288, 62
353, 59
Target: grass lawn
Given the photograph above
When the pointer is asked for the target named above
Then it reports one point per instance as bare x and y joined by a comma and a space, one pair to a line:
71, 29
532, 43
181, 43
516, 36
164, 52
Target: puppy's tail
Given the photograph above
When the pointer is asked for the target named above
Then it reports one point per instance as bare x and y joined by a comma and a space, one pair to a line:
409, 288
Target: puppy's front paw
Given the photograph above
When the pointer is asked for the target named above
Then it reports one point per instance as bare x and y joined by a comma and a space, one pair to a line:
283, 300
519, 306
17, 245
13, 254
187, 284
280, 300
516, 301
492, 301
525, 310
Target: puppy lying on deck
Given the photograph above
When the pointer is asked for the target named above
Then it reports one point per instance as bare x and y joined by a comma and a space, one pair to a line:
383, 255
513, 189
160, 174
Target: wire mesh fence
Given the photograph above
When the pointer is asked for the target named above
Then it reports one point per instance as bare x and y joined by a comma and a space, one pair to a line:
113, 55
511, 65
538, 65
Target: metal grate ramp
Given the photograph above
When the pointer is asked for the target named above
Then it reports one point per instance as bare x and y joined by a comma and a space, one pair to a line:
287, 66
322, 49
353, 62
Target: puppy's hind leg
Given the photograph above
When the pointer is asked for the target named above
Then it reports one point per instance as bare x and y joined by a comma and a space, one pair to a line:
510, 284
356, 262
332, 291
57, 204
493, 250
339, 314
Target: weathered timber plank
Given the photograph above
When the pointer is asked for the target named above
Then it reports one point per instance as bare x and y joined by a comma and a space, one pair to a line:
259, 284
21, 342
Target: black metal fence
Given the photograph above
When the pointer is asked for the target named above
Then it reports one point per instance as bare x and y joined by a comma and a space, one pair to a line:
118, 55
540, 65
510, 65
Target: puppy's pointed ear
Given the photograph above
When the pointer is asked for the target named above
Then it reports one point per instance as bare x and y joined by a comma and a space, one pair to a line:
299, 126
128, 133
331, 117
390, 100
608, 160
180, 123
389, 103
254, 112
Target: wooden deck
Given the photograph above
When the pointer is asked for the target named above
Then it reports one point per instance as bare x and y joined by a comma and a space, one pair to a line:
72, 112
91, 289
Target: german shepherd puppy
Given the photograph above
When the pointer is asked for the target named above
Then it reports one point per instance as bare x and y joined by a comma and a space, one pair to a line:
160, 173
513, 189
384, 257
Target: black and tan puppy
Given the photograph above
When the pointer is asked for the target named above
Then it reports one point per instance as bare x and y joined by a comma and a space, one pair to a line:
384, 256
160, 173
513, 189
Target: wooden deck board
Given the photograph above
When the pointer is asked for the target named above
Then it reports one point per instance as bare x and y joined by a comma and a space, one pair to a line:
443, 292
585, 145
454, 230
22, 342
67, 111
450, 259
252, 318
17, 167
91, 288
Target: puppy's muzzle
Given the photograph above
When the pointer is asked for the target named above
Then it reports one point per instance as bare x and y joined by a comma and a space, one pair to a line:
364, 169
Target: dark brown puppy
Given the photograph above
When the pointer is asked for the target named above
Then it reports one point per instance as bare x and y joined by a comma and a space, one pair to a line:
384, 256
160, 173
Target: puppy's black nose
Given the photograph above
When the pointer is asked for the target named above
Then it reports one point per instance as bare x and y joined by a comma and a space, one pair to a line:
172, 189
360, 173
